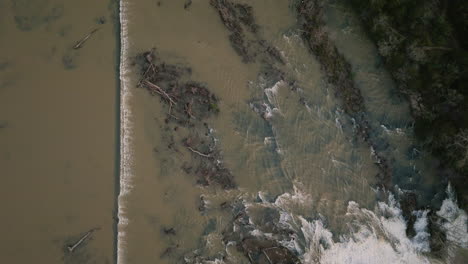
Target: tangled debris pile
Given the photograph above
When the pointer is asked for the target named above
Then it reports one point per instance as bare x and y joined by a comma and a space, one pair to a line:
189, 104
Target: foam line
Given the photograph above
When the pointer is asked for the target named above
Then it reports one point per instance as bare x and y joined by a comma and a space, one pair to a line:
126, 135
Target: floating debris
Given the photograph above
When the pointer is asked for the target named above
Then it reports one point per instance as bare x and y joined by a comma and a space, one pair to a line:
81, 42
72, 247
189, 104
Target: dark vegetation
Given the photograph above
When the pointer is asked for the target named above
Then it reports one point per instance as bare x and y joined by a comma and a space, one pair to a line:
424, 46
428, 63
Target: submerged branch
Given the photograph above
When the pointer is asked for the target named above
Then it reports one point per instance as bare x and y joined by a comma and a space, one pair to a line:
159, 91
81, 42
71, 248
199, 153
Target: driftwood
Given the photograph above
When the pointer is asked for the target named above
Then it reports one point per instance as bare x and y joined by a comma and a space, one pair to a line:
81, 42
199, 153
160, 91
189, 104
71, 248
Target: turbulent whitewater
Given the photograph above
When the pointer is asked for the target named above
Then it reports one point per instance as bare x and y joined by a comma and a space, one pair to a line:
126, 135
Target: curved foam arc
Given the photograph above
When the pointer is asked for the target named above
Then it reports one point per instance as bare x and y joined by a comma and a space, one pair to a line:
126, 135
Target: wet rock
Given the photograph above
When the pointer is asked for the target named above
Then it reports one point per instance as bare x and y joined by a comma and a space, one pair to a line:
438, 238
267, 251
258, 248
201, 204
210, 172
408, 204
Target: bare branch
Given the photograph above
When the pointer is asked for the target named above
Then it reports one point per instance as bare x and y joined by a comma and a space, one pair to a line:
160, 91
199, 153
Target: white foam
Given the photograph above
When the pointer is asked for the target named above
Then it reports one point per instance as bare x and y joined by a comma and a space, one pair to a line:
338, 125
272, 96
268, 111
454, 220
378, 237
375, 236
397, 130
216, 261
268, 140
421, 239
126, 136
297, 198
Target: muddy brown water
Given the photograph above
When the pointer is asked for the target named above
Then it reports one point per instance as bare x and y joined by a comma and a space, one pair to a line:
312, 149
305, 148
59, 130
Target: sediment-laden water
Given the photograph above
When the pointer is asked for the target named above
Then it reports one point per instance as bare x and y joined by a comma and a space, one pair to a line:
58, 130
246, 131
279, 167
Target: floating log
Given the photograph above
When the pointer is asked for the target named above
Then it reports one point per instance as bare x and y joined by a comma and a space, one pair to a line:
80, 43
71, 248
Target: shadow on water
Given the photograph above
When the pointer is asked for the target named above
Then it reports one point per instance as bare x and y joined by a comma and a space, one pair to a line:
30, 15
115, 15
